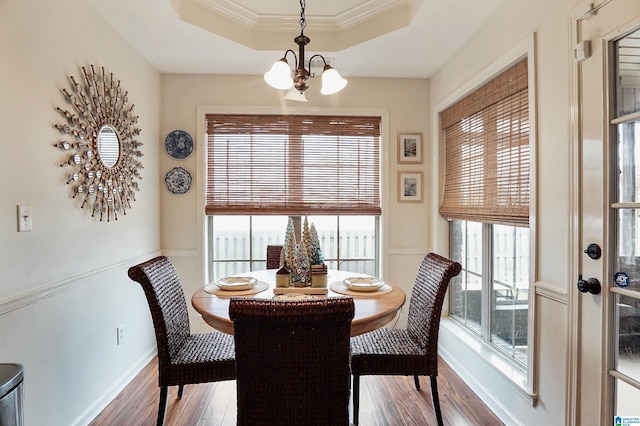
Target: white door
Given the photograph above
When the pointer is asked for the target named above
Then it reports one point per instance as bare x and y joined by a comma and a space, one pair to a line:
608, 337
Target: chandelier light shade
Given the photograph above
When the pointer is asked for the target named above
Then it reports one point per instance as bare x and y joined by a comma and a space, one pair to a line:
293, 95
332, 81
280, 76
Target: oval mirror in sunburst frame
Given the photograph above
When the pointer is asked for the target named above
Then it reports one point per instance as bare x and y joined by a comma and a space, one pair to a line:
99, 135
108, 145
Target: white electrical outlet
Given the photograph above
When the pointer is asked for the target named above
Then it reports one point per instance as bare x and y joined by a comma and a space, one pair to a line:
120, 334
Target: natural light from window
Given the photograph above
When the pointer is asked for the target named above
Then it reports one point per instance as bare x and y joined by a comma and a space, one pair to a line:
237, 244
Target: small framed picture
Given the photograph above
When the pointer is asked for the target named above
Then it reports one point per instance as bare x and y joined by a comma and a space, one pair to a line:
410, 148
410, 187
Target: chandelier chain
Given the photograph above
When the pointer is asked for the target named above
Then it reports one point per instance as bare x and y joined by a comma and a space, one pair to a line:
303, 21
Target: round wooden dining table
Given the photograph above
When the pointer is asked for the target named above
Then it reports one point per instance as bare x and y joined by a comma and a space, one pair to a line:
372, 309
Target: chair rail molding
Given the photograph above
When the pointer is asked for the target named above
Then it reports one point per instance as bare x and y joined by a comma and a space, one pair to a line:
53, 288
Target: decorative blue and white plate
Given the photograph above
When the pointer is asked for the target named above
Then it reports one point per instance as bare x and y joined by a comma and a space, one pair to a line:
178, 180
178, 144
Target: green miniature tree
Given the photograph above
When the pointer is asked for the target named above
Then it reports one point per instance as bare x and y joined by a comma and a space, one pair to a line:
316, 258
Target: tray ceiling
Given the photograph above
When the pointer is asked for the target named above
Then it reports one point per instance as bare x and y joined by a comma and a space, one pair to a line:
363, 38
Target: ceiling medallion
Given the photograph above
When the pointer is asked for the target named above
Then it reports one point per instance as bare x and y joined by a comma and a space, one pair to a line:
98, 134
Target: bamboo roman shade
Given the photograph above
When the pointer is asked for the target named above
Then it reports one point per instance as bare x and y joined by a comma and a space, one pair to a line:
487, 152
293, 165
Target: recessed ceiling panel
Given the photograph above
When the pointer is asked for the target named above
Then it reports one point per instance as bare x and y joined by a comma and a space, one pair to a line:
207, 42
269, 25
328, 8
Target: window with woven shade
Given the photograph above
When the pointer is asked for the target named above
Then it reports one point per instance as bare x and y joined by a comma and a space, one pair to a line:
486, 198
292, 165
486, 138
266, 170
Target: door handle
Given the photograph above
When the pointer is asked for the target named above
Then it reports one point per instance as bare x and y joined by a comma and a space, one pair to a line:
590, 285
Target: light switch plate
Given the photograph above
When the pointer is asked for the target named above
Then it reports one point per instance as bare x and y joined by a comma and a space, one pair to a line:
24, 218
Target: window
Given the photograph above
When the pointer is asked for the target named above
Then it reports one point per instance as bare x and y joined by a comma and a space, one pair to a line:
238, 243
491, 295
263, 169
486, 198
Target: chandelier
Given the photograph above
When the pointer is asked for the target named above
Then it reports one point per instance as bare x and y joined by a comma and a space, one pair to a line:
280, 76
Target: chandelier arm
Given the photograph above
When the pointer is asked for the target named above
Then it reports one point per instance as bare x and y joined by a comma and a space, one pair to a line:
295, 57
311, 59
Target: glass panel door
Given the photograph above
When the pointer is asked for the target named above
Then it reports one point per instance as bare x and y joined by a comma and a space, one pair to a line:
625, 290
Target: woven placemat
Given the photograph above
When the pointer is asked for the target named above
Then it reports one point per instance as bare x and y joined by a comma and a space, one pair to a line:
212, 288
339, 287
294, 296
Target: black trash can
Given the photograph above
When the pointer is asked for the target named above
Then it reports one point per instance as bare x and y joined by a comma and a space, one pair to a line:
11, 395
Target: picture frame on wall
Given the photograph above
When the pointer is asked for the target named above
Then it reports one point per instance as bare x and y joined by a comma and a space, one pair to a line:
409, 187
410, 148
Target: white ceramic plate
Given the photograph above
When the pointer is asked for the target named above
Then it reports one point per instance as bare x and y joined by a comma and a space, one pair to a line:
363, 283
236, 283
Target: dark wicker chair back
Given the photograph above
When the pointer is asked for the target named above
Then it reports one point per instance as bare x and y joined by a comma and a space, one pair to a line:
159, 280
183, 358
273, 256
292, 360
412, 351
427, 298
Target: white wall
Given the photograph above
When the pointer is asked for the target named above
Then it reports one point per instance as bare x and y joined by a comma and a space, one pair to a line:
547, 21
63, 286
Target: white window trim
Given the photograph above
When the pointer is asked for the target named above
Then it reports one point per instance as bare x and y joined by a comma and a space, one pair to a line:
525, 48
468, 355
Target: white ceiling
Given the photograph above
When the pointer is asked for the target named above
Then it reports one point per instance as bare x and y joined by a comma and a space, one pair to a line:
401, 38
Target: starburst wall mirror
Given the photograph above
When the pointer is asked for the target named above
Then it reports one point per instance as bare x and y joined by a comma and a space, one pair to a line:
98, 135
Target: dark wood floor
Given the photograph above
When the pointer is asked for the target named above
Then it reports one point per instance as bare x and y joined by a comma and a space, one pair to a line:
384, 401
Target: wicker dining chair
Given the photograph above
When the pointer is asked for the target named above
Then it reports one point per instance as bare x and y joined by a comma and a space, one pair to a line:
273, 256
412, 351
183, 358
292, 360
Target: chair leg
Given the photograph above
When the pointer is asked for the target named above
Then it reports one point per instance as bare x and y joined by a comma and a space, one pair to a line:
162, 405
356, 398
180, 389
417, 380
435, 398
